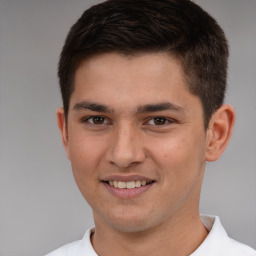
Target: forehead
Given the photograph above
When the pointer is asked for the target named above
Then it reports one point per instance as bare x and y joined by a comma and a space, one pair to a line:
140, 62
140, 68
115, 79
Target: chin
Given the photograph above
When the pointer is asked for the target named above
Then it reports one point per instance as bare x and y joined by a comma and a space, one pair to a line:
130, 223
130, 227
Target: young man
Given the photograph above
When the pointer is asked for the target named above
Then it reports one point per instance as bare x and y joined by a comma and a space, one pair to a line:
143, 84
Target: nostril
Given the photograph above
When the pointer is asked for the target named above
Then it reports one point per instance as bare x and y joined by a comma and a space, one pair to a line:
124, 164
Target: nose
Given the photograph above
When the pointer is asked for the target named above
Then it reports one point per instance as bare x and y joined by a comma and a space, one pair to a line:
126, 146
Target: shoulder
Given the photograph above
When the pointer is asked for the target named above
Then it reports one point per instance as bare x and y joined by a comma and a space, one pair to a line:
218, 243
66, 250
242, 249
77, 248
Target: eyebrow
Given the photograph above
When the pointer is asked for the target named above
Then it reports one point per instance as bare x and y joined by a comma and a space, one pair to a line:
93, 106
159, 107
86, 105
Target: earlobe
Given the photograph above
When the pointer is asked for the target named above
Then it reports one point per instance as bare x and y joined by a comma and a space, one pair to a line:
63, 128
219, 132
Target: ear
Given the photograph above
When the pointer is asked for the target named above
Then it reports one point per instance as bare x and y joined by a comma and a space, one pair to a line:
219, 132
63, 128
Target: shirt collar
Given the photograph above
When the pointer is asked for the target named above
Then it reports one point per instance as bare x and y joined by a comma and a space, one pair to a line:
216, 243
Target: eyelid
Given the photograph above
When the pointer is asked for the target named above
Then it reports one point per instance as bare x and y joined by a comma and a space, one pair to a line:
87, 118
107, 121
169, 120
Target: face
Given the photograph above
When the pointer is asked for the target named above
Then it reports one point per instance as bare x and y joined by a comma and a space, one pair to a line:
136, 140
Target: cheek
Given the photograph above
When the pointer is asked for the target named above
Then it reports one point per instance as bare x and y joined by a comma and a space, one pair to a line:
84, 156
180, 166
83, 161
83, 149
179, 156
170, 150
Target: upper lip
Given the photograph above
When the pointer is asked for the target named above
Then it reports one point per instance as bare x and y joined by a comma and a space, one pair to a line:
126, 178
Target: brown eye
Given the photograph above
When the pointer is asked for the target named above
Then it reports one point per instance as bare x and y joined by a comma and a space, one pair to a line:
159, 121
97, 120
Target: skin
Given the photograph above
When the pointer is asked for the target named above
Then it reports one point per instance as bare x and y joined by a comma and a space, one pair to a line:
118, 126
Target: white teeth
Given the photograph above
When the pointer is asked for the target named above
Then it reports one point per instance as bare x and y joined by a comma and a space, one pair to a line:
130, 184
127, 185
121, 184
137, 183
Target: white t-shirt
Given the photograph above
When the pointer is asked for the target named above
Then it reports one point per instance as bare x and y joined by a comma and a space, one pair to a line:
217, 243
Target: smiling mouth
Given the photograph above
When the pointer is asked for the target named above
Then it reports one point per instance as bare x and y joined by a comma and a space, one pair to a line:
128, 184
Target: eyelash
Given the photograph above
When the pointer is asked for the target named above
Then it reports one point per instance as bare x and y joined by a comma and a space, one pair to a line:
87, 120
163, 120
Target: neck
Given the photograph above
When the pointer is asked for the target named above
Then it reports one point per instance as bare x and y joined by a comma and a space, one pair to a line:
179, 236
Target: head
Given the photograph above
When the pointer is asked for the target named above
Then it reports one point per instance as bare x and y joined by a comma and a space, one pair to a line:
143, 84
180, 29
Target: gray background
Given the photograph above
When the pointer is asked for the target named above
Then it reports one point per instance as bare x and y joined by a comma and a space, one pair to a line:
40, 205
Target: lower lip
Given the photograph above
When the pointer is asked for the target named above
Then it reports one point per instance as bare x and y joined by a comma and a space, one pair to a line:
127, 193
